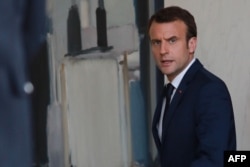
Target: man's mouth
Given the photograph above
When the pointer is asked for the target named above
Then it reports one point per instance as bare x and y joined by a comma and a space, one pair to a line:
166, 62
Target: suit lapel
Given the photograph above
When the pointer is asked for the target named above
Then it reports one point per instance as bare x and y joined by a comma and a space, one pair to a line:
156, 120
180, 91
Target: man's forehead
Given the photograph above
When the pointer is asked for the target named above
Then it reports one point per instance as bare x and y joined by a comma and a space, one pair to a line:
166, 35
169, 34
168, 29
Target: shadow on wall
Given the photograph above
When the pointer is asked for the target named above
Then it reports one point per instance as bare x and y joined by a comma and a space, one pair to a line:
41, 98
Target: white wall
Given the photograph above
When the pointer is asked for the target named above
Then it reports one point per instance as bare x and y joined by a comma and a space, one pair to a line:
223, 47
94, 114
119, 12
122, 32
122, 35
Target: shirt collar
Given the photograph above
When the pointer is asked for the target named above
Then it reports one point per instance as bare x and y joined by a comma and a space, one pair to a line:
177, 80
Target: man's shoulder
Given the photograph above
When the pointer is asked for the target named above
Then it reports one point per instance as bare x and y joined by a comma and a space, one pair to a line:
197, 72
208, 81
208, 76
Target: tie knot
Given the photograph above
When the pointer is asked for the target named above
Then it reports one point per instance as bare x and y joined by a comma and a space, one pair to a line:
168, 90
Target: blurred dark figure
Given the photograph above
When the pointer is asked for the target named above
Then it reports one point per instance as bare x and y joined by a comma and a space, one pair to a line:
22, 29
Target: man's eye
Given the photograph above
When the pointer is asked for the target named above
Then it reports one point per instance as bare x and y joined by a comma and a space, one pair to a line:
155, 42
172, 40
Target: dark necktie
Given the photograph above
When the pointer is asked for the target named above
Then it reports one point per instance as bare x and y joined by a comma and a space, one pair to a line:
168, 92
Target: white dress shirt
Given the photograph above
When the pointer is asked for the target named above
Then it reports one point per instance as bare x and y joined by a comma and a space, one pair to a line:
176, 82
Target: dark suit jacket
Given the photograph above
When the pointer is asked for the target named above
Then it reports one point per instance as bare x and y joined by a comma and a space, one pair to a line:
200, 122
22, 24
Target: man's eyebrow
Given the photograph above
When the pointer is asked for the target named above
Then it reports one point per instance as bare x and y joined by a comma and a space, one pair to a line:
167, 39
172, 37
155, 39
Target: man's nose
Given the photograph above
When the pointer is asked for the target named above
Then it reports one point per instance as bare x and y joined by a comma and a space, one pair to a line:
163, 48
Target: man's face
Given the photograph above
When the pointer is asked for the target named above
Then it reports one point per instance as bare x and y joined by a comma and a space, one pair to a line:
170, 48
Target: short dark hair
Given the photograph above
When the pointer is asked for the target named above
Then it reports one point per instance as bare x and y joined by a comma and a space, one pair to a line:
174, 13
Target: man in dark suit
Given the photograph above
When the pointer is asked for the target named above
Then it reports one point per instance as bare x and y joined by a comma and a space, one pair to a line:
195, 124
22, 24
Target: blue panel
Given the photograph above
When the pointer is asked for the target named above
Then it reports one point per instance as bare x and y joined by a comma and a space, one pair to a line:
139, 127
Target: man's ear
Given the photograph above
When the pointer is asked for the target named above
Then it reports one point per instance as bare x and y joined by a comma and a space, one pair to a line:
192, 44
